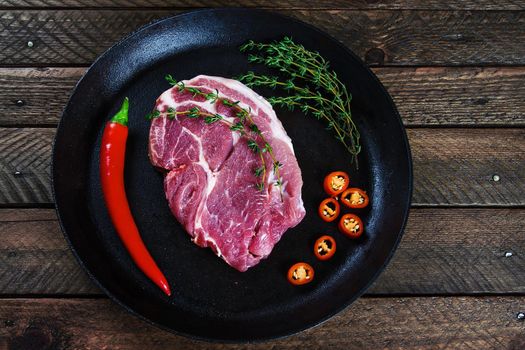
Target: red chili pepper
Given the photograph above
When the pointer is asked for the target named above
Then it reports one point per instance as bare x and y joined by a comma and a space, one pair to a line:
351, 225
324, 247
300, 273
354, 198
112, 155
329, 209
335, 183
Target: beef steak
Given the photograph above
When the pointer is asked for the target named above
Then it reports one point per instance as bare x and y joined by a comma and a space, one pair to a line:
210, 180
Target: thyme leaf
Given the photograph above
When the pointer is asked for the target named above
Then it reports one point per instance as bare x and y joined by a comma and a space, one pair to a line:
212, 119
170, 80
152, 115
253, 146
258, 171
237, 127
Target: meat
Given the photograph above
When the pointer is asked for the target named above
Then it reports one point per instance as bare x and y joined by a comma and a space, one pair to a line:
210, 180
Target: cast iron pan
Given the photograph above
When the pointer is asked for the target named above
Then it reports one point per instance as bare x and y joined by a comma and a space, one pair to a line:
211, 300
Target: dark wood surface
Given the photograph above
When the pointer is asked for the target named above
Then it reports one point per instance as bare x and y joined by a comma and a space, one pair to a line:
380, 37
456, 71
371, 323
299, 4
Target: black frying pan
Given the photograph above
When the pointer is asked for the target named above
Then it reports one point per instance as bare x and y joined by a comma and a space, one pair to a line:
210, 299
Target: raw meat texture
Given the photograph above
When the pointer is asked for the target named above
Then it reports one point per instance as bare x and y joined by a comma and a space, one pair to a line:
210, 181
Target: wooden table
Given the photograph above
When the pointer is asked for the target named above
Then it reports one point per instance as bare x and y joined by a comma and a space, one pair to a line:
457, 74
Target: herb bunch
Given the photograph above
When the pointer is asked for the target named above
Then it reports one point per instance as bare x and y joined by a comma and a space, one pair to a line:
244, 125
327, 99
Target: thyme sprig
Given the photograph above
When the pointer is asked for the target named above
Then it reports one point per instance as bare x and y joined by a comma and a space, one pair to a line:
328, 99
244, 125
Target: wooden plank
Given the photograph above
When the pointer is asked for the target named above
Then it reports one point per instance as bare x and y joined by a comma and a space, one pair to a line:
25, 166
383, 37
35, 96
451, 166
34, 256
458, 251
445, 96
451, 96
465, 258
456, 166
371, 323
28, 215
332, 4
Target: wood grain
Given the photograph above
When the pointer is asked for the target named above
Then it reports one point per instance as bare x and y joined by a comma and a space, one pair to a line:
451, 166
370, 323
35, 258
456, 166
445, 96
380, 37
458, 251
324, 4
35, 96
25, 166
451, 96
33, 252
466, 257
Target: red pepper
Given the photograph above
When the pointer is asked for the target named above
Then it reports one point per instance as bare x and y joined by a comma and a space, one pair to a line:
351, 225
300, 273
335, 183
112, 154
324, 247
329, 209
354, 198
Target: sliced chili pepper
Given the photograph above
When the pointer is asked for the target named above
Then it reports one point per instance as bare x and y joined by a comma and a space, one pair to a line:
336, 182
354, 198
112, 155
329, 209
324, 247
351, 225
300, 273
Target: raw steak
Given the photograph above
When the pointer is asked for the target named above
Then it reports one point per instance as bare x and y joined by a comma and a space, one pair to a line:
210, 181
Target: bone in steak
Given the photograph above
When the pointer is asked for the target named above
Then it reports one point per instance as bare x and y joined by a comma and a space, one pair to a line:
210, 181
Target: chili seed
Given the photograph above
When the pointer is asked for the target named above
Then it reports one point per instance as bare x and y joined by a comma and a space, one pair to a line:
30, 44
508, 254
520, 316
495, 177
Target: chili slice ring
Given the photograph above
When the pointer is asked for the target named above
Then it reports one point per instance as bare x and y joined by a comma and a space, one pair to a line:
351, 225
300, 273
324, 247
329, 209
335, 183
354, 198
